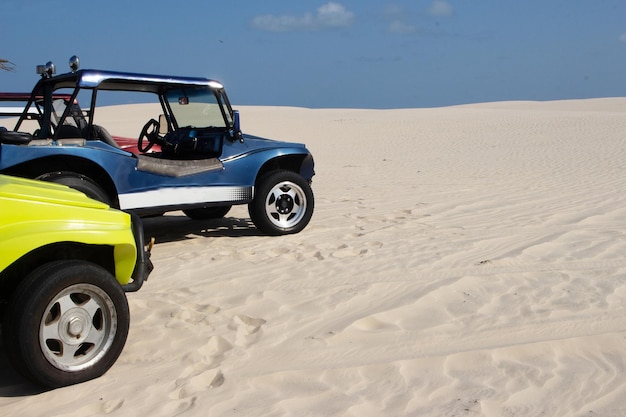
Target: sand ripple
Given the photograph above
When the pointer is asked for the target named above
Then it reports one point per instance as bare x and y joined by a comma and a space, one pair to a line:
464, 261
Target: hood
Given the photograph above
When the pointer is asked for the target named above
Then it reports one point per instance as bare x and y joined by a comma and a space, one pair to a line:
270, 143
254, 144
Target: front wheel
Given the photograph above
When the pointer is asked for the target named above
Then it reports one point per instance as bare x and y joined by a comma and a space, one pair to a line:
67, 323
283, 203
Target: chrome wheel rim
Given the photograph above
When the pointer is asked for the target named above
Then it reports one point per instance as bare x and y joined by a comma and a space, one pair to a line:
78, 327
285, 204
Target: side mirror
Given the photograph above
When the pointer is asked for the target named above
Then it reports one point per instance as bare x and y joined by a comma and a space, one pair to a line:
236, 131
236, 121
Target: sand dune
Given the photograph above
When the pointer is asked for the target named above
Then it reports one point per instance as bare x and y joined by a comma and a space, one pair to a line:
461, 261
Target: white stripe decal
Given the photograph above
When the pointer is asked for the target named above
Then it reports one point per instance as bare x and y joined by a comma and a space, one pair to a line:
175, 196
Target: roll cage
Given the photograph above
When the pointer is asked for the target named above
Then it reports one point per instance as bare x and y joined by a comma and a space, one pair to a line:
44, 96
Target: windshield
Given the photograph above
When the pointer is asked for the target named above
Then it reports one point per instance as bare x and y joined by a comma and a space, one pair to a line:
196, 108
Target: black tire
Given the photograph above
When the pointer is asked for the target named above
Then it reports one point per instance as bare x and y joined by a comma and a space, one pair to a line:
66, 323
283, 203
207, 213
78, 182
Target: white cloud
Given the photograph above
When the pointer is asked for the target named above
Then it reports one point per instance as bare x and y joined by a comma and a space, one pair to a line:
329, 15
441, 8
397, 18
622, 38
400, 19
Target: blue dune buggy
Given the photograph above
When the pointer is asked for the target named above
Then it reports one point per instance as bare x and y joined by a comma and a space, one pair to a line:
189, 155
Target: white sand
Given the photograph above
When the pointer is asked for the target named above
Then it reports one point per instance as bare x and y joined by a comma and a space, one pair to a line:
461, 261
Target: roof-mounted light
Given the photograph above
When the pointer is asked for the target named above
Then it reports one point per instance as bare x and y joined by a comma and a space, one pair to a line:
74, 63
47, 70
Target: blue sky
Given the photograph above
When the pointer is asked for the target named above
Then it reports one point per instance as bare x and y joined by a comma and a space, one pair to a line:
344, 53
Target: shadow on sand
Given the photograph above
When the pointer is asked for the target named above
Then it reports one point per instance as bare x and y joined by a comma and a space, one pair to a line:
12, 384
173, 228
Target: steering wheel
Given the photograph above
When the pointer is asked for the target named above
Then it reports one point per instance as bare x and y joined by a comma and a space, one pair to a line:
151, 133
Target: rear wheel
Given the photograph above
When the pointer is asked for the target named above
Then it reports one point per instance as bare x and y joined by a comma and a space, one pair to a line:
207, 213
66, 323
283, 203
78, 182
